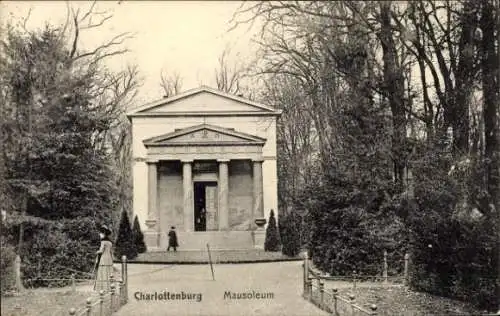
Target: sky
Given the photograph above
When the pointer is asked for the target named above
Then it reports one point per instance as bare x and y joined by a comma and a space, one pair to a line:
174, 36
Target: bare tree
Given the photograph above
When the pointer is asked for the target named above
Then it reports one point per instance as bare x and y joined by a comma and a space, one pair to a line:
490, 63
171, 84
92, 19
353, 57
228, 77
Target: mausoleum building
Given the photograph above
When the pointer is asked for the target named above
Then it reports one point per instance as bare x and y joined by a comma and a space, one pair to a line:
204, 161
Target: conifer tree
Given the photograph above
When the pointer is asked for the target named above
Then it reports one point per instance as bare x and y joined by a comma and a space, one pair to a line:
290, 236
138, 236
125, 244
272, 242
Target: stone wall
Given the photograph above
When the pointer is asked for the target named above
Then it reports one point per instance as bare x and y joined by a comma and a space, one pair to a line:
240, 194
146, 127
170, 198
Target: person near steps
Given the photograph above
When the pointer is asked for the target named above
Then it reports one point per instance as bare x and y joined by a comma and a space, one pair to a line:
172, 239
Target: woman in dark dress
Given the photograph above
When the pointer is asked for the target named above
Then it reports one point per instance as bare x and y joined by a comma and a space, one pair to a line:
172, 239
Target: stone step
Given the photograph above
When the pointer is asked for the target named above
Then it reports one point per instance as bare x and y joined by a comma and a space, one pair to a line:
219, 240
217, 256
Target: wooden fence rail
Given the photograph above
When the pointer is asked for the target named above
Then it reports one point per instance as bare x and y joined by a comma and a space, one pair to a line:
107, 302
334, 303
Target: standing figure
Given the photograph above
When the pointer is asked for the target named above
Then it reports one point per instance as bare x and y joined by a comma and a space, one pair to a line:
104, 261
203, 220
172, 239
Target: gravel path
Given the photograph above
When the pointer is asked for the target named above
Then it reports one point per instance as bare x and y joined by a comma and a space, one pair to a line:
280, 281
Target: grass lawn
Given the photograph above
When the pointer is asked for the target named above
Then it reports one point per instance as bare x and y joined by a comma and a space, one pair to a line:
43, 303
401, 301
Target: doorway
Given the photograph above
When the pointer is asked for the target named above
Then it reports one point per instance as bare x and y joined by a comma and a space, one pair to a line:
205, 210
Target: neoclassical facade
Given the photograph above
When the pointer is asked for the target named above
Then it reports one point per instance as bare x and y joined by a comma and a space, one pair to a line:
204, 162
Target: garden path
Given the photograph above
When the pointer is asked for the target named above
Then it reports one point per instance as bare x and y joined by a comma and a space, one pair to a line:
282, 279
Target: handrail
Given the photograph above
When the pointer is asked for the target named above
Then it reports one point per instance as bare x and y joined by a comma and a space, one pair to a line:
315, 292
116, 297
89, 304
61, 279
105, 298
358, 276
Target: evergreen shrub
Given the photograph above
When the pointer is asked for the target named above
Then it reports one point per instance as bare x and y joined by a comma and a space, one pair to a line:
290, 238
125, 244
272, 242
138, 236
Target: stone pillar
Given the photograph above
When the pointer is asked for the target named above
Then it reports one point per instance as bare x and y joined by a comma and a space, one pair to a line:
152, 190
259, 234
152, 234
223, 194
17, 274
258, 195
187, 179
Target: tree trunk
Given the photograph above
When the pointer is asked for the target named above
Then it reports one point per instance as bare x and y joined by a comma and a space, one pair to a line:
394, 88
490, 69
463, 88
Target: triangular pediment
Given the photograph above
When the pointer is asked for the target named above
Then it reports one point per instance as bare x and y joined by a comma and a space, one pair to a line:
203, 100
204, 134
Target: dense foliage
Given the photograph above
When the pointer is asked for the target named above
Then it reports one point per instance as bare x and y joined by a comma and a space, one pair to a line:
125, 244
389, 138
6, 266
272, 241
59, 169
352, 229
451, 246
138, 236
290, 238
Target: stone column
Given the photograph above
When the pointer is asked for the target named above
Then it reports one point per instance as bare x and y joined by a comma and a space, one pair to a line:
151, 236
187, 179
258, 195
223, 194
152, 194
259, 233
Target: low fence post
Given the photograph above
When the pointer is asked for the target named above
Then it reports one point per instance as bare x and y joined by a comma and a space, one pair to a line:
406, 280
352, 299
122, 298
385, 267
317, 287
334, 295
101, 302
125, 278
73, 286
88, 304
306, 272
354, 277
112, 290
112, 300
321, 293
17, 272
309, 288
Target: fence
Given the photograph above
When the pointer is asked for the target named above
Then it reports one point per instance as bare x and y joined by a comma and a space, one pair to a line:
336, 304
107, 302
102, 303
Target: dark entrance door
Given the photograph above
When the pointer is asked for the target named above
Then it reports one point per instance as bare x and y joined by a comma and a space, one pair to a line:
200, 204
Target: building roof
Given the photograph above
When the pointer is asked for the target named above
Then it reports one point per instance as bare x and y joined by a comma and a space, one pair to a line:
161, 107
187, 136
